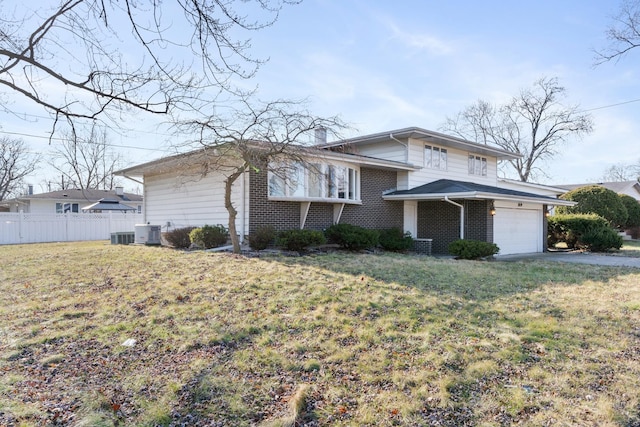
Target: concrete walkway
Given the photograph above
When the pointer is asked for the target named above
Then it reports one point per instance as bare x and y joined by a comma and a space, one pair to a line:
575, 257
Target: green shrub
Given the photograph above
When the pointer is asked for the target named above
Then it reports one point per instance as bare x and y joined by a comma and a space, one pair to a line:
472, 249
352, 237
597, 200
633, 211
261, 238
601, 239
299, 240
179, 238
209, 236
394, 239
588, 231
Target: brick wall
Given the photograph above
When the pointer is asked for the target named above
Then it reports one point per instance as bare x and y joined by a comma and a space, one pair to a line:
375, 212
440, 221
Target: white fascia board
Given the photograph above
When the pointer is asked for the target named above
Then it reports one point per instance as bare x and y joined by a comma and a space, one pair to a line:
480, 196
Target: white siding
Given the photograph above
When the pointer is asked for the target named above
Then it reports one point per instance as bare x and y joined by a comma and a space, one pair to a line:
457, 167
193, 201
390, 150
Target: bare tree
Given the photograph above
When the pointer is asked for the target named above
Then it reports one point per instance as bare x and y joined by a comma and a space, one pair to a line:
15, 164
86, 162
534, 124
86, 59
622, 172
623, 33
256, 136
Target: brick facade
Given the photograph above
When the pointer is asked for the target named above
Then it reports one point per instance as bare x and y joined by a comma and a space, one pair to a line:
372, 213
440, 221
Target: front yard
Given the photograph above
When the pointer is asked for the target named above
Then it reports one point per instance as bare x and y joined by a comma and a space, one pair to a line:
338, 339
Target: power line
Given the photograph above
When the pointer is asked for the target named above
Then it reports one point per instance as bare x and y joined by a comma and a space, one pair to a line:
611, 105
63, 139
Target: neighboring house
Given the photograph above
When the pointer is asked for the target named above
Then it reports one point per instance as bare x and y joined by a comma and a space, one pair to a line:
71, 200
432, 185
630, 188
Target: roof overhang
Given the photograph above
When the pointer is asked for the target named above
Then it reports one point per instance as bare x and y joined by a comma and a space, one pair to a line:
180, 161
477, 195
427, 136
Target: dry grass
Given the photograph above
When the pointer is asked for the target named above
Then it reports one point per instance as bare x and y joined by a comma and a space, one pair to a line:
337, 339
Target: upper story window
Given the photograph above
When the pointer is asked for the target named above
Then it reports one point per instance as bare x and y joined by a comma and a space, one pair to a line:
316, 181
477, 165
435, 157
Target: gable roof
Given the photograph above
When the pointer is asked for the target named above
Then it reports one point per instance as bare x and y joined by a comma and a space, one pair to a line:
178, 161
88, 195
426, 136
438, 190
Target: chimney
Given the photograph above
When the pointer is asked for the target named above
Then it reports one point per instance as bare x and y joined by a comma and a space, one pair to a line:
321, 135
30, 190
119, 191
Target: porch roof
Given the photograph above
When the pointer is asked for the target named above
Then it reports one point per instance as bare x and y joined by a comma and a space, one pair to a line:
446, 188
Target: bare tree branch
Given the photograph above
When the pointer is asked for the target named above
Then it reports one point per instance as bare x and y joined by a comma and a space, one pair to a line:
534, 124
15, 164
84, 58
623, 33
255, 136
86, 162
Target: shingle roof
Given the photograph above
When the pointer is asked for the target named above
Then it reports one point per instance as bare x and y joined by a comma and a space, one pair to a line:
88, 195
451, 187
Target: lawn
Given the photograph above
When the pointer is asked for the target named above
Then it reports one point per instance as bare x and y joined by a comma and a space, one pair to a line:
93, 334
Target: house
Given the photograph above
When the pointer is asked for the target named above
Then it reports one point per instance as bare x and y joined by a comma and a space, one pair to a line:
630, 188
71, 200
437, 187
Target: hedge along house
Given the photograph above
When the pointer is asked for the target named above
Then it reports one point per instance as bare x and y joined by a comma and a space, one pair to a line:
437, 187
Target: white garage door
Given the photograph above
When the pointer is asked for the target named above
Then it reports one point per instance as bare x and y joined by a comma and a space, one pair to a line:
517, 231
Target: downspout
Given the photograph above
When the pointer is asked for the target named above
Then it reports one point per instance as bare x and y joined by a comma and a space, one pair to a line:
243, 207
406, 146
446, 199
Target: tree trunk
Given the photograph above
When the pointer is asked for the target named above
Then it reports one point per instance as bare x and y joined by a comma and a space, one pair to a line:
233, 213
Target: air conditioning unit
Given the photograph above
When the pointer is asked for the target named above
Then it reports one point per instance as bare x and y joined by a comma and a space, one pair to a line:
146, 234
122, 238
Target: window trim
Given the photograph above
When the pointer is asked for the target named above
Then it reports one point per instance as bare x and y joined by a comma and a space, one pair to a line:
477, 165
330, 179
432, 149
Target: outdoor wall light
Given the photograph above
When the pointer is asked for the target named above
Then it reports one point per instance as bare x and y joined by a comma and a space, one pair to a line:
493, 210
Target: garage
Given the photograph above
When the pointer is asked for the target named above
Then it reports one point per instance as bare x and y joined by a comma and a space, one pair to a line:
518, 229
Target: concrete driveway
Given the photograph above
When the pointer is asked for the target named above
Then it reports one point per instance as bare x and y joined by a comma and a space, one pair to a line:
575, 257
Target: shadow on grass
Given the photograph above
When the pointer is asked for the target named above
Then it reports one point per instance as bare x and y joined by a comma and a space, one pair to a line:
468, 280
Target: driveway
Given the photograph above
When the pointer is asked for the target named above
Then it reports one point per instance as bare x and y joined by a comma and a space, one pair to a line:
575, 257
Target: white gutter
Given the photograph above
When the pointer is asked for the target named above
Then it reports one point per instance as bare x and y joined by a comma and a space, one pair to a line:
483, 196
446, 199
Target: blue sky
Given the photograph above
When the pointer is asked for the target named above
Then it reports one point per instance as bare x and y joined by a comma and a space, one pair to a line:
384, 65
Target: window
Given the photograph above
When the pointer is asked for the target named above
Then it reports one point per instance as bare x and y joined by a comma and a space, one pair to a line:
315, 181
435, 157
66, 207
477, 165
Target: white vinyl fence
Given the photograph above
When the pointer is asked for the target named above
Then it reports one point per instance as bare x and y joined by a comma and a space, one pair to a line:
39, 228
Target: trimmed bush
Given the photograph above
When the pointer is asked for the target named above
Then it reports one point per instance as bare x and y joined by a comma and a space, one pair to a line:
633, 211
472, 249
583, 231
602, 239
352, 237
394, 239
260, 239
179, 238
597, 200
299, 240
209, 236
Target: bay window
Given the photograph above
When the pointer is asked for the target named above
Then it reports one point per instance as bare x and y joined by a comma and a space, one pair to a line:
315, 181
